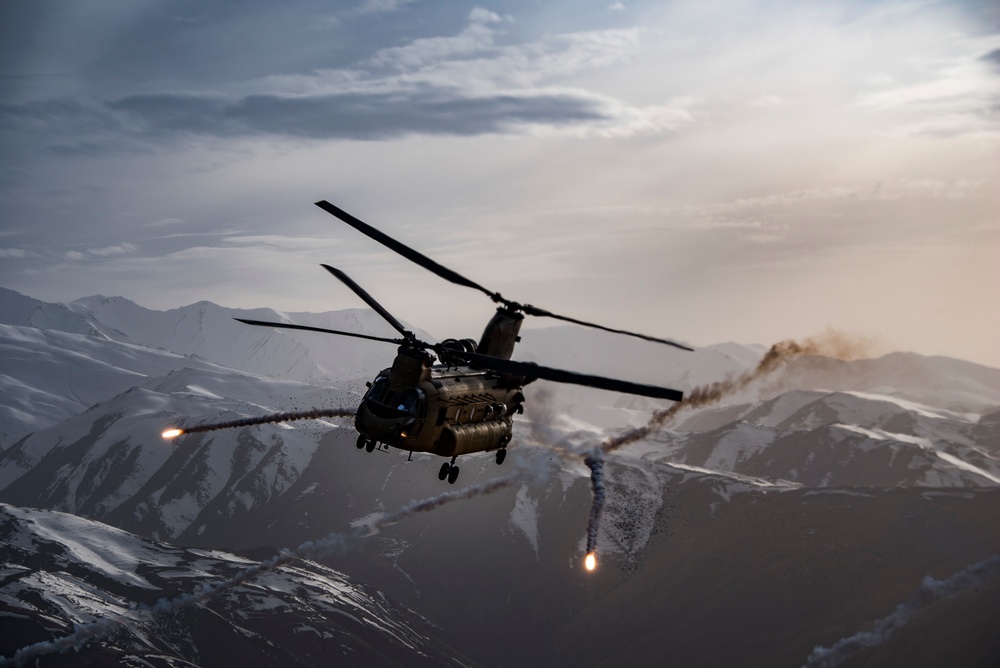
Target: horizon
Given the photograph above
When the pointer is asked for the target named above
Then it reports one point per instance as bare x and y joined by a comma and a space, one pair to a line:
829, 342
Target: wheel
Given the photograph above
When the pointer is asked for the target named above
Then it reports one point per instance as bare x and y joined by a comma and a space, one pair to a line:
453, 475
361, 442
501, 455
445, 469
370, 446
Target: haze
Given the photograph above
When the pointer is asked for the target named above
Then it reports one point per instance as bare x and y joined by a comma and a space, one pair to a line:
704, 171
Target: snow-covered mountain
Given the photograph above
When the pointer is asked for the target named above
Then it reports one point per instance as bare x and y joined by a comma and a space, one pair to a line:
209, 332
794, 475
119, 600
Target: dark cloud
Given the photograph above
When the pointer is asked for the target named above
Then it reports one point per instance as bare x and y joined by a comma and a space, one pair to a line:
993, 57
355, 115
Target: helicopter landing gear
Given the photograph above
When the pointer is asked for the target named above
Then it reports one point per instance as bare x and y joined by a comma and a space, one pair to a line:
366, 444
449, 471
501, 455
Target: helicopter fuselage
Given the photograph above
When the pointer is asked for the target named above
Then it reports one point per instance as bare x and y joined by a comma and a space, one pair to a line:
453, 411
447, 409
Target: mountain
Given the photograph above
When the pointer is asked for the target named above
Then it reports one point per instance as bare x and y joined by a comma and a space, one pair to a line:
205, 331
794, 511
846, 439
68, 577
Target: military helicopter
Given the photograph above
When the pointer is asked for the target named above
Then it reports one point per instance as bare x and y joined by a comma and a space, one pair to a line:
465, 403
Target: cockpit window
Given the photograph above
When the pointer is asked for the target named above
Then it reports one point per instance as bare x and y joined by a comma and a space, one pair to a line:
408, 400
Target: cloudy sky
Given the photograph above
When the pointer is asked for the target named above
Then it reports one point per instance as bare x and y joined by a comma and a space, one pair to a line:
701, 170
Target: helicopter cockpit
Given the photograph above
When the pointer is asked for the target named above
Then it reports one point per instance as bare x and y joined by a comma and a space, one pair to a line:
387, 403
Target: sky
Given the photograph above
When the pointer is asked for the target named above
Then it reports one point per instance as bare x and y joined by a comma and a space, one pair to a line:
699, 170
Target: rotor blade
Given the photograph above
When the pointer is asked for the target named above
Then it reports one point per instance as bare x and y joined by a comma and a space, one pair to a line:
402, 249
534, 310
368, 299
286, 325
458, 279
531, 370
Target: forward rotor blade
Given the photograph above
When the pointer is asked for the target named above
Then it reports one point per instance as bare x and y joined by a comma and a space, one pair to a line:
402, 249
530, 370
307, 328
534, 310
458, 279
368, 299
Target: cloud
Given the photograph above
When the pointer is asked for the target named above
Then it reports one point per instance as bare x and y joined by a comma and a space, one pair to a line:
459, 85
120, 249
951, 95
381, 6
107, 251
463, 84
765, 101
16, 253
164, 222
365, 115
477, 37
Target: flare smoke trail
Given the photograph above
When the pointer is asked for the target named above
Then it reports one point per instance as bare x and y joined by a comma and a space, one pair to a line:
314, 414
331, 544
424, 505
595, 462
831, 343
930, 590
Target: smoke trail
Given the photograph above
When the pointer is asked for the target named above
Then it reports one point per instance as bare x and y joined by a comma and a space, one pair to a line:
930, 590
334, 543
433, 502
830, 343
595, 462
314, 414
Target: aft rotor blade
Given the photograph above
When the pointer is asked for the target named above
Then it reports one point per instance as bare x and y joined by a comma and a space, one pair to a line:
307, 328
402, 249
530, 370
368, 299
534, 310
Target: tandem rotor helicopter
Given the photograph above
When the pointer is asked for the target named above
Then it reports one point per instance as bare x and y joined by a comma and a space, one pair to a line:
465, 403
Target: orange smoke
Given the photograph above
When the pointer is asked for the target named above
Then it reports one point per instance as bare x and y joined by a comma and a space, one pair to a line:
829, 343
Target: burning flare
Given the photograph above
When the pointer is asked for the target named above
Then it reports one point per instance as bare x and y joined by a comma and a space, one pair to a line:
313, 414
590, 562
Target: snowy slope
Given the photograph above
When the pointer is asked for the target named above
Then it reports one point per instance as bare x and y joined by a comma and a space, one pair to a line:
110, 460
208, 331
133, 602
48, 376
824, 439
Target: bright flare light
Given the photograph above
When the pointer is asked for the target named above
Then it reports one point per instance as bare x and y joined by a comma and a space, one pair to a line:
172, 433
591, 561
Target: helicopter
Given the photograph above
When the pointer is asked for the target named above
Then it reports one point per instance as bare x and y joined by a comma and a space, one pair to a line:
458, 396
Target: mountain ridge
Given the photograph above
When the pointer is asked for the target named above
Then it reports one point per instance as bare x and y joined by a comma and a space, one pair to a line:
820, 469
